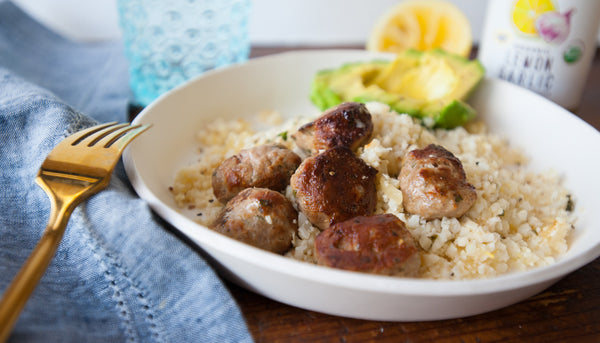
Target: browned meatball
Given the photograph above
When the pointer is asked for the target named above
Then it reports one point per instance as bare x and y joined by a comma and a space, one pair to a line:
378, 244
265, 166
434, 184
260, 217
334, 186
348, 124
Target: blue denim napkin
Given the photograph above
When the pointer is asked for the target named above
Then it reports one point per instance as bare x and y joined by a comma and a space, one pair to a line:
118, 275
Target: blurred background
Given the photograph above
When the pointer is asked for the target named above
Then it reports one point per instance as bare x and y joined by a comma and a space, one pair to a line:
273, 22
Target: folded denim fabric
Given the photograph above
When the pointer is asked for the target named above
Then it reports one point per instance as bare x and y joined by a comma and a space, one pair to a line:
119, 274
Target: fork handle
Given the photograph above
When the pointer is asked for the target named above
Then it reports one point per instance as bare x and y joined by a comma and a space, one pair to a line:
31, 272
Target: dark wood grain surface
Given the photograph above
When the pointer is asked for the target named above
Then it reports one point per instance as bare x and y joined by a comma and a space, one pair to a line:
569, 311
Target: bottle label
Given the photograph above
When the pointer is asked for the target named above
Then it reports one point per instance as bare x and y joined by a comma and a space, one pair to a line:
546, 46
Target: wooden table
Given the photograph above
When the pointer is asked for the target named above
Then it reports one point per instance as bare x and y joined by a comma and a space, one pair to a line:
569, 311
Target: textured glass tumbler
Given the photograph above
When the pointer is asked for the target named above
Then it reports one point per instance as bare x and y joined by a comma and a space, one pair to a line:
170, 42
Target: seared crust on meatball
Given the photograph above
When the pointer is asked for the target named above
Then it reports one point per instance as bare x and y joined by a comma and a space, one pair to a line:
260, 217
378, 244
348, 124
434, 184
334, 186
266, 166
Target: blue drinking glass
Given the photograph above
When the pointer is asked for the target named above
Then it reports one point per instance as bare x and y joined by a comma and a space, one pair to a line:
170, 42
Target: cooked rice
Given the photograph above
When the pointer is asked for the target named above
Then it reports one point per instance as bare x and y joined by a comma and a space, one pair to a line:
519, 221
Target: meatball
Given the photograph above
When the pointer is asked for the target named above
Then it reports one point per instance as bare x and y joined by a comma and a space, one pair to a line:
260, 217
379, 244
334, 186
348, 124
434, 185
266, 166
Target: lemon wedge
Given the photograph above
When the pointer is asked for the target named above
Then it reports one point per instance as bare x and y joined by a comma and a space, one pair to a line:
422, 25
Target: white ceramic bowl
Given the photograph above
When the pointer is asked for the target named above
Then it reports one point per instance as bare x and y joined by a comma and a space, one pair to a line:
552, 136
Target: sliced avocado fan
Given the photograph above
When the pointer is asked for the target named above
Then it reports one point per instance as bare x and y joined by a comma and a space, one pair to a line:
431, 86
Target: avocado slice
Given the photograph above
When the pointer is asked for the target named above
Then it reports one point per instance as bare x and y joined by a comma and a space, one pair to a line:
432, 86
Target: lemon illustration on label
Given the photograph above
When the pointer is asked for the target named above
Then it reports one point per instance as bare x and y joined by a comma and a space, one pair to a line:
526, 12
542, 19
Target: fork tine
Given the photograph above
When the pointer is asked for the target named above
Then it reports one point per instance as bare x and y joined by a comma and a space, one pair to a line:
121, 137
77, 137
95, 137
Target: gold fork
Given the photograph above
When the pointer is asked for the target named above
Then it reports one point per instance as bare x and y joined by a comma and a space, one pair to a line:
77, 168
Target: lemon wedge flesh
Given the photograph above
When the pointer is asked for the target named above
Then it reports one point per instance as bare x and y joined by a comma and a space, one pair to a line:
422, 25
